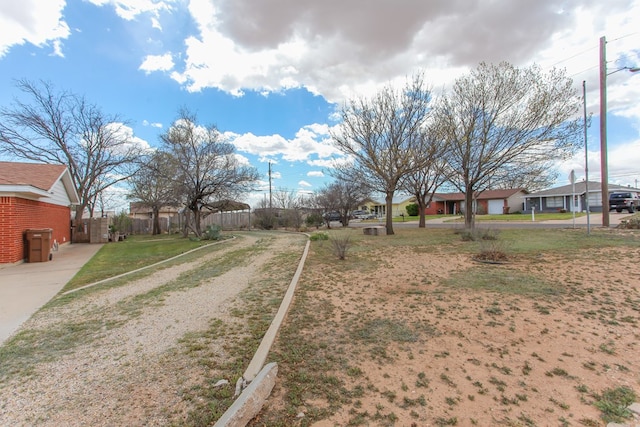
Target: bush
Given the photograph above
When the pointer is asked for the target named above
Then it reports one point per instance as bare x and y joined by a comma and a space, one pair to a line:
412, 209
631, 223
493, 251
121, 223
340, 245
314, 220
211, 233
265, 220
321, 235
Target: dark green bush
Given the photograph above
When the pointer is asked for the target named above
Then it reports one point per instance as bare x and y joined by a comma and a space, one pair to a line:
211, 233
412, 209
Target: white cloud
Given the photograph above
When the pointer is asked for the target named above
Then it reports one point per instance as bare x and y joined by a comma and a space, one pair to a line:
304, 184
152, 124
317, 174
242, 160
157, 63
622, 161
310, 141
126, 133
131, 9
32, 21
304, 43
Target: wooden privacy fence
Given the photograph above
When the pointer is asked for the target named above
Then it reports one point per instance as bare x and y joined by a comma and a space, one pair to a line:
234, 220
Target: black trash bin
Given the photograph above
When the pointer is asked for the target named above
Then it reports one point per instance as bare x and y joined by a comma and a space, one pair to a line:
38, 244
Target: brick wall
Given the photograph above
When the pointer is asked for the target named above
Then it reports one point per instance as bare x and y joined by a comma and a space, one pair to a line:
18, 215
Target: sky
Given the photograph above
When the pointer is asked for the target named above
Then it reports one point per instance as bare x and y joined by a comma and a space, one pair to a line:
272, 74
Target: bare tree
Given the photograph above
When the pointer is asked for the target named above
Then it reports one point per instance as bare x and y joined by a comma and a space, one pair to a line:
289, 204
342, 196
153, 187
502, 123
381, 134
206, 168
425, 180
63, 128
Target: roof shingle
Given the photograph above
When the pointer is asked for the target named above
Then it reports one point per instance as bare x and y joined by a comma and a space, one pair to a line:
38, 175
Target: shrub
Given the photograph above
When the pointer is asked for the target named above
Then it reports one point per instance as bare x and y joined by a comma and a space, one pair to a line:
492, 251
321, 235
631, 223
412, 209
265, 219
340, 245
211, 233
314, 220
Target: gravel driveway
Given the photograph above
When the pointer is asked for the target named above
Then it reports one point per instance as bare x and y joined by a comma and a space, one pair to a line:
114, 356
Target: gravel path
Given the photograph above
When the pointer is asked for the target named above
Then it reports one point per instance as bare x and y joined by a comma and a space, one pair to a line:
130, 371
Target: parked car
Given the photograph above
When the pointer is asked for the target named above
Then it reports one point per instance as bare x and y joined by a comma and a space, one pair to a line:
332, 216
362, 214
620, 200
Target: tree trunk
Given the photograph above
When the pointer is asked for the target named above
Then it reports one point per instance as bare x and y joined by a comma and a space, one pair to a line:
196, 223
469, 222
389, 216
422, 207
80, 212
156, 221
187, 221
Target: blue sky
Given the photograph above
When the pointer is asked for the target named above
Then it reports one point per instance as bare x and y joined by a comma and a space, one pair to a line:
271, 74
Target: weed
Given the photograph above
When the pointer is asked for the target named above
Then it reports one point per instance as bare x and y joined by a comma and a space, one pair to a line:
319, 235
341, 244
607, 348
407, 402
445, 378
613, 404
559, 372
422, 380
441, 422
493, 251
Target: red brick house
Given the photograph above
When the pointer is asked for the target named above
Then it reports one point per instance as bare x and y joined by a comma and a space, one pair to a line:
489, 201
33, 196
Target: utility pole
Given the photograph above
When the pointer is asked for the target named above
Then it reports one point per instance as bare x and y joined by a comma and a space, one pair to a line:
586, 157
604, 168
270, 196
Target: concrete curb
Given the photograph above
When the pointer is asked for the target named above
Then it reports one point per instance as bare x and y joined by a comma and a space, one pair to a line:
250, 402
261, 380
269, 337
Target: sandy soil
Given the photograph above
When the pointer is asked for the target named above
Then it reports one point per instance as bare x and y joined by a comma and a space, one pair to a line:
415, 350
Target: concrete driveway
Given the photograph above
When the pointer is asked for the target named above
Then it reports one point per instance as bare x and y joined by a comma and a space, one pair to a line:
26, 287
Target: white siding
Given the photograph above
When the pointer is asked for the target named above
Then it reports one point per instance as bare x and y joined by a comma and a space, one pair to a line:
59, 196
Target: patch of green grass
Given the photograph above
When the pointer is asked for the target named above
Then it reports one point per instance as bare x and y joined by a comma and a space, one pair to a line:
133, 253
378, 331
502, 280
613, 404
27, 348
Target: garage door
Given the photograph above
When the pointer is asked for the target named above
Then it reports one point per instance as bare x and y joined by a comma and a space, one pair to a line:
495, 207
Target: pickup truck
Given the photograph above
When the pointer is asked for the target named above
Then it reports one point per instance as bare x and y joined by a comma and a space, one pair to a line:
620, 200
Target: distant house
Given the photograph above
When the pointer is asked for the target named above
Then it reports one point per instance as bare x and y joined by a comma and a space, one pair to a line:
488, 201
33, 196
559, 198
379, 207
493, 202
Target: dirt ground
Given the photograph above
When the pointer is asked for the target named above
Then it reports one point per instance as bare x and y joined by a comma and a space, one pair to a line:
137, 354
406, 343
